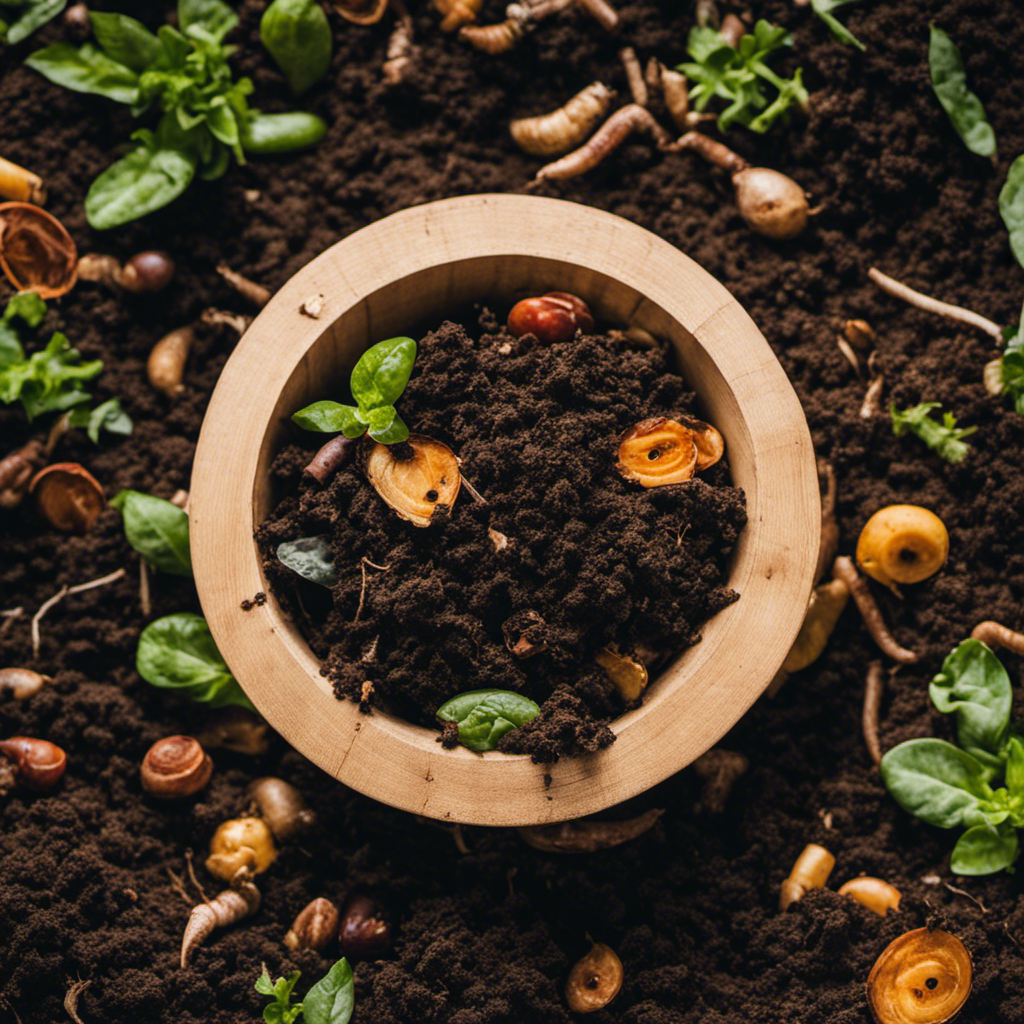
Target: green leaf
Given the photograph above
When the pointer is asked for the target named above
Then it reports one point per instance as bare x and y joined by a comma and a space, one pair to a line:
279, 1011
87, 70
1011, 206
382, 372
329, 418
394, 433
33, 16
311, 558
48, 381
107, 416
156, 529
945, 438
1015, 767
965, 111
974, 685
297, 35
212, 15
264, 985
332, 999
270, 134
484, 716
221, 121
177, 652
125, 40
26, 306
139, 183
824, 8
983, 850
936, 782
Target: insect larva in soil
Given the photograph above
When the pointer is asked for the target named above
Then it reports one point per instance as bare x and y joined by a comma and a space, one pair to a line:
314, 926
873, 893
241, 844
602, 12
992, 376
993, 634
810, 871
587, 836
281, 806
456, 13
175, 767
227, 908
165, 367
36, 764
22, 683
536, 10
493, 39
250, 290
845, 570
21, 185
594, 980
607, 138
148, 271
565, 128
330, 458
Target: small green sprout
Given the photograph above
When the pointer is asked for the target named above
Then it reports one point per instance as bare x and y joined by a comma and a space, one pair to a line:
330, 1001
945, 438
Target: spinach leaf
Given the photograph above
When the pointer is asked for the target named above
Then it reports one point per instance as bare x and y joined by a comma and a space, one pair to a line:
983, 850
936, 782
125, 40
177, 652
311, 558
297, 35
86, 69
156, 529
330, 417
965, 111
107, 416
212, 15
332, 999
1011, 206
484, 716
393, 433
824, 8
31, 16
944, 438
1015, 767
974, 685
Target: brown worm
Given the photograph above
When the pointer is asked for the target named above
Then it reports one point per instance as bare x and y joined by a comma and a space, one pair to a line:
994, 634
493, 39
714, 152
331, 457
845, 570
874, 687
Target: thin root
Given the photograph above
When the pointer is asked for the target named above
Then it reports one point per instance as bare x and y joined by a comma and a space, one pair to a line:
190, 867
363, 563
255, 293
179, 887
60, 595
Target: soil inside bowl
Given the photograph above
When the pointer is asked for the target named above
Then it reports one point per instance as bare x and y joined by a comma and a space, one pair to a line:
589, 559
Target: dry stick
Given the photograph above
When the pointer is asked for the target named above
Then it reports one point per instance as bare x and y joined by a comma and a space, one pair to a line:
874, 687
399, 53
602, 12
844, 569
145, 603
607, 138
71, 999
963, 892
9, 617
994, 634
473, 492
930, 305
634, 75
60, 595
255, 293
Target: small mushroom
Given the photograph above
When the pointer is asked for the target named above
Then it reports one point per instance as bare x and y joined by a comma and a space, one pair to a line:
902, 544
241, 843
420, 487
36, 252
656, 452
627, 675
68, 496
810, 871
594, 980
175, 767
873, 893
923, 977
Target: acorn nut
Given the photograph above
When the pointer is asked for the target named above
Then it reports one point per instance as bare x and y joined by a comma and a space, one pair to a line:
365, 933
594, 980
420, 487
551, 318
241, 843
902, 544
175, 767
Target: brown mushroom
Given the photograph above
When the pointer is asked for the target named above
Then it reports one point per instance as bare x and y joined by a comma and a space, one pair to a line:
36, 252
420, 487
656, 452
68, 496
594, 980
923, 977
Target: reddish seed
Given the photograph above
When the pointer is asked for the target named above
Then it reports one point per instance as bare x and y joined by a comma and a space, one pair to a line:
39, 763
553, 317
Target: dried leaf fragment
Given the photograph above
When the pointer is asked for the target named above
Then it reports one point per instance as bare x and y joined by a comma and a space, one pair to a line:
627, 675
456, 13
587, 836
420, 487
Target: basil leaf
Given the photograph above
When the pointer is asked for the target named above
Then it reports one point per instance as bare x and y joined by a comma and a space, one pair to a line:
156, 529
85, 70
139, 183
395, 432
328, 418
380, 418
332, 999
11, 350
177, 652
983, 850
125, 40
311, 558
965, 110
107, 416
824, 8
269, 134
297, 35
380, 376
974, 685
221, 121
26, 306
216, 17
484, 716
1011, 206
936, 782
175, 47
34, 16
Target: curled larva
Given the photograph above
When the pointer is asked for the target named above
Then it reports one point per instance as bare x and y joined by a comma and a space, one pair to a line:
565, 128
493, 39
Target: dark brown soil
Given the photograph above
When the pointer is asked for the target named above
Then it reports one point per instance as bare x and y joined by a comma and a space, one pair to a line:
487, 937
598, 560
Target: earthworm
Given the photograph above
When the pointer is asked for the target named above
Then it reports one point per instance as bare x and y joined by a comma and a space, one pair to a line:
994, 634
229, 907
331, 457
844, 569
607, 138
493, 39
874, 687
587, 836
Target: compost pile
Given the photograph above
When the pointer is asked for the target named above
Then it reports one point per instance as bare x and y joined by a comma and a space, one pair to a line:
593, 557
485, 929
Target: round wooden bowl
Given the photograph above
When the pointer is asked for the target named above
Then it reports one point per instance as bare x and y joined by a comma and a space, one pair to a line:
405, 274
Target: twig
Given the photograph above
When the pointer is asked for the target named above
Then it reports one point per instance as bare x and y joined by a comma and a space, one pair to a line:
192, 876
874, 687
71, 999
634, 75
869, 407
145, 604
844, 570
60, 595
179, 887
930, 305
963, 892
994, 634
363, 563
255, 293
473, 492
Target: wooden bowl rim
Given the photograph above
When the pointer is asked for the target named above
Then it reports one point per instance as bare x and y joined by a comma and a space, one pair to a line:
705, 690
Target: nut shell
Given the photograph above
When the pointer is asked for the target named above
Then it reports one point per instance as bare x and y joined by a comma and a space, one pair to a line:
551, 318
902, 544
36, 252
68, 496
175, 767
420, 487
21, 683
656, 452
594, 980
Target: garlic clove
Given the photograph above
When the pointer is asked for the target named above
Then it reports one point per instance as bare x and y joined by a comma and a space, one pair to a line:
68, 496
627, 675
420, 487
657, 452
